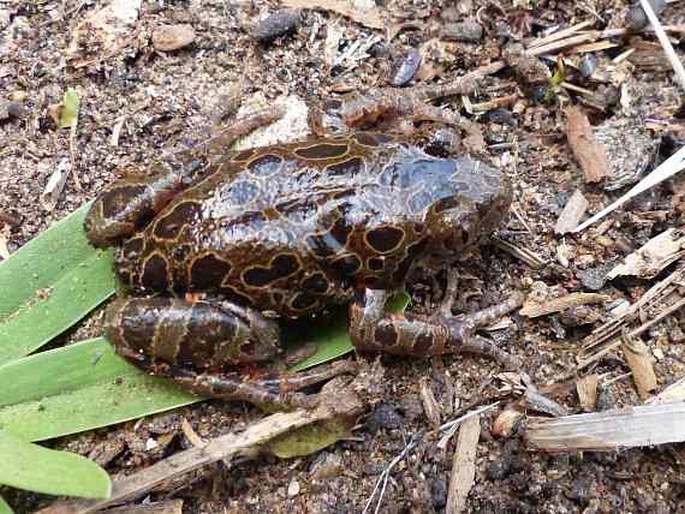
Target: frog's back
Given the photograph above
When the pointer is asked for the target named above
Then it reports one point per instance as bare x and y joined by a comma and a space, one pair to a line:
291, 228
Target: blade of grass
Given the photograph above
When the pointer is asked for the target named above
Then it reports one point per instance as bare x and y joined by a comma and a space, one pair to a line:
34, 468
77, 388
4, 507
49, 284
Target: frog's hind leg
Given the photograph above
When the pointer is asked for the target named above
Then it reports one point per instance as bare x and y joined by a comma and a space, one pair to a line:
275, 392
192, 342
374, 330
129, 204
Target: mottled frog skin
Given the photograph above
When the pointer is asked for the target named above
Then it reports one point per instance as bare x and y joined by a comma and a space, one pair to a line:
213, 251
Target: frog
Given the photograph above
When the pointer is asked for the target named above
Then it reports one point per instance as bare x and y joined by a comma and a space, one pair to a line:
216, 249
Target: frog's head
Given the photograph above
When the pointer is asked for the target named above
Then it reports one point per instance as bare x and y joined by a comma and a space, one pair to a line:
466, 208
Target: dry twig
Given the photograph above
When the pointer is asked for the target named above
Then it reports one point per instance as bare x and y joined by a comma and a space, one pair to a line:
463, 466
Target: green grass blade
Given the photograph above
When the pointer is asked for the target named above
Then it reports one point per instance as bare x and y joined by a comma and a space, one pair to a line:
50, 284
77, 388
4, 507
331, 338
29, 466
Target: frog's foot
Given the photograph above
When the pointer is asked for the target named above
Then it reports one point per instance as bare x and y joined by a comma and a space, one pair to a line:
274, 392
382, 105
372, 329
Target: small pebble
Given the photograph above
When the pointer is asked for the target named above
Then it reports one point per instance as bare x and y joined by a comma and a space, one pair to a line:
167, 38
468, 31
12, 110
501, 117
587, 65
277, 24
293, 488
407, 68
636, 17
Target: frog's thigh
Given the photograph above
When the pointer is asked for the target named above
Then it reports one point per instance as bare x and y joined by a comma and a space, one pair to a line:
194, 335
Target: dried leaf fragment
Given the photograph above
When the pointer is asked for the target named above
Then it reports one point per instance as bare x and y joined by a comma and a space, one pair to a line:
534, 309
637, 356
572, 214
68, 113
589, 153
586, 388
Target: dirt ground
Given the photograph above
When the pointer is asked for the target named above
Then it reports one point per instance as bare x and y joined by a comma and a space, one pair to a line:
168, 98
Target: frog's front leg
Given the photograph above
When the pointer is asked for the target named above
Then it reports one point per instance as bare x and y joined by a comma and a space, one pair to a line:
374, 330
214, 349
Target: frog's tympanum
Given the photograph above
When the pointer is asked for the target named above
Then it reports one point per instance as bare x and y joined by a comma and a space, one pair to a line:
213, 250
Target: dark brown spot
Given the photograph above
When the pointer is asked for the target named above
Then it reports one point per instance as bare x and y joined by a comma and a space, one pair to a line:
281, 267
385, 335
285, 264
208, 272
265, 165
303, 301
346, 265
258, 276
348, 168
170, 225
155, 274
317, 283
375, 263
367, 139
445, 204
277, 298
340, 231
322, 151
423, 343
385, 239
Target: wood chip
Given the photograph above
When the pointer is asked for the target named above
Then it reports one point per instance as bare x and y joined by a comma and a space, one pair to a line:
165, 507
191, 435
586, 388
644, 425
463, 466
637, 356
652, 257
534, 309
573, 212
365, 12
589, 153
430, 404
